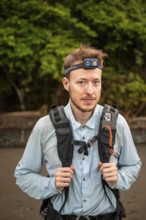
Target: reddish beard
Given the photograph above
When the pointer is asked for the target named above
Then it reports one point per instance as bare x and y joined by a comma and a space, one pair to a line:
82, 109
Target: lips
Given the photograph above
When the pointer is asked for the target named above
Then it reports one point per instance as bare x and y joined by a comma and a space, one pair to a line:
88, 100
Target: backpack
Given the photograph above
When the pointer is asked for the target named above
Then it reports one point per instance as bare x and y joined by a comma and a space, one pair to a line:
105, 138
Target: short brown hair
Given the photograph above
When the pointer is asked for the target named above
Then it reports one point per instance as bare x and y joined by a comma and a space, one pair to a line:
82, 53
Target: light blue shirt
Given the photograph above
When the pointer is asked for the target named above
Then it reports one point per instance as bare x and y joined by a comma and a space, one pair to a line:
86, 195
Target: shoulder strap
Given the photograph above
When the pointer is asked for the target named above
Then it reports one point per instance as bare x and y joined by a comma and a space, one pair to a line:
107, 132
63, 134
106, 141
64, 140
64, 147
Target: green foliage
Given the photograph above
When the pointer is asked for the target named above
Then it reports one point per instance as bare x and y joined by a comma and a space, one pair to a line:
127, 91
120, 27
36, 35
121, 32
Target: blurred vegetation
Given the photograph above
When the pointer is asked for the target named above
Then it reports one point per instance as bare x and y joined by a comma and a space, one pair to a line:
36, 35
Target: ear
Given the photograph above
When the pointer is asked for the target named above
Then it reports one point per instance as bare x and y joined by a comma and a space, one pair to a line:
65, 82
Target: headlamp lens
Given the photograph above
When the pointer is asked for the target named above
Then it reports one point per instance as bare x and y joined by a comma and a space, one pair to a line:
90, 63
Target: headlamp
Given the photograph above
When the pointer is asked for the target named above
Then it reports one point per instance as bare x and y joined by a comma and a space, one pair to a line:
88, 63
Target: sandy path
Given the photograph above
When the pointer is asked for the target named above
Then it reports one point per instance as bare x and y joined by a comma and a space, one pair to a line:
15, 205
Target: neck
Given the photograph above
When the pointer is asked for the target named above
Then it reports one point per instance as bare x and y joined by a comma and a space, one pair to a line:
81, 116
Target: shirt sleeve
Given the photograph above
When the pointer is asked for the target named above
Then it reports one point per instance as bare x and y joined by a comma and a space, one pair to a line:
129, 163
28, 171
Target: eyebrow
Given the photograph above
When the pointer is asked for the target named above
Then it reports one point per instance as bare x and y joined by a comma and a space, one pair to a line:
87, 79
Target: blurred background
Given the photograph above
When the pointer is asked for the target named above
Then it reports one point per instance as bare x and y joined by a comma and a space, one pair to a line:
35, 37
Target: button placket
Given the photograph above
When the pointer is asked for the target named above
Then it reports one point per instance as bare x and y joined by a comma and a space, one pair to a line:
82, 132
84, 163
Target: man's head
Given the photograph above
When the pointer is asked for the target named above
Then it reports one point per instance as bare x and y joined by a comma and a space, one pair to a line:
83, 71
80, 56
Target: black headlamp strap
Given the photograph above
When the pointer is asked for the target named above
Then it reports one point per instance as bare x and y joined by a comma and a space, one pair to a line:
75, 67
88, 63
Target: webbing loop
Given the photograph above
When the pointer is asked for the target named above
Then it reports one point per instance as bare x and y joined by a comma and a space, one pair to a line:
110, 140
110, 135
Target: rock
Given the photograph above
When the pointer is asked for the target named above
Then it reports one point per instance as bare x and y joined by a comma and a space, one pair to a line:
15, 128
138, 129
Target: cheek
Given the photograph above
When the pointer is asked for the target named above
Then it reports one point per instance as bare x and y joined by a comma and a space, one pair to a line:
74, 92
75, 89
98, 90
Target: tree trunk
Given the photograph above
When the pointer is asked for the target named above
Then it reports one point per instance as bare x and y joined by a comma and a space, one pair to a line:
19, 91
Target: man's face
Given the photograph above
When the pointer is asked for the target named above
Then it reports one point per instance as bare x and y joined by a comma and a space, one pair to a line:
84, 87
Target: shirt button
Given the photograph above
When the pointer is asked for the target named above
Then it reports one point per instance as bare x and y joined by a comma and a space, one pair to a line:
83, 158
84, 200
83, 137
84, 179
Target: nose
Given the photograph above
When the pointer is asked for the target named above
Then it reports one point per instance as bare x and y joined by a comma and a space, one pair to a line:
89, 88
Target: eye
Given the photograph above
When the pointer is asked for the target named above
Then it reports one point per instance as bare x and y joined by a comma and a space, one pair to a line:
96, 82
81, 82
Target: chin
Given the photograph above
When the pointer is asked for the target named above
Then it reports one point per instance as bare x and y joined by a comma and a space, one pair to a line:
88, 108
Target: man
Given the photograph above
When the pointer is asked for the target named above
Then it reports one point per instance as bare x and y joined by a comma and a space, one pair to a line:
87, 198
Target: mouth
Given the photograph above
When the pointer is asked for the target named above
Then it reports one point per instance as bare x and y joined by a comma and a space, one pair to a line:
88, 101
88, 98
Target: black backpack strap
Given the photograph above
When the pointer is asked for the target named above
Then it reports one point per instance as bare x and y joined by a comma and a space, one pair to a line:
106, 141
64, 147
107, 133
64, 140
120, 211
63, 134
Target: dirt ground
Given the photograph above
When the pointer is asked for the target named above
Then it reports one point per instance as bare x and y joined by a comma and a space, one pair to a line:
15, 205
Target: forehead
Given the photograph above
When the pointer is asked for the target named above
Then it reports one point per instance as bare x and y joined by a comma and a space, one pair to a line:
88, 74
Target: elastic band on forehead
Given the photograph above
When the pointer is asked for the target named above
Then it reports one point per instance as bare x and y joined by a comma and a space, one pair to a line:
89, 63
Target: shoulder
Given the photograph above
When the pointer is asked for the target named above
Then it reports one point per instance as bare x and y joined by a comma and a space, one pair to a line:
44, 124
122, 129
121, 121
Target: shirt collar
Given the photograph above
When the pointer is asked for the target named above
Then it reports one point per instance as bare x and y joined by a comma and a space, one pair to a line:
90, 123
